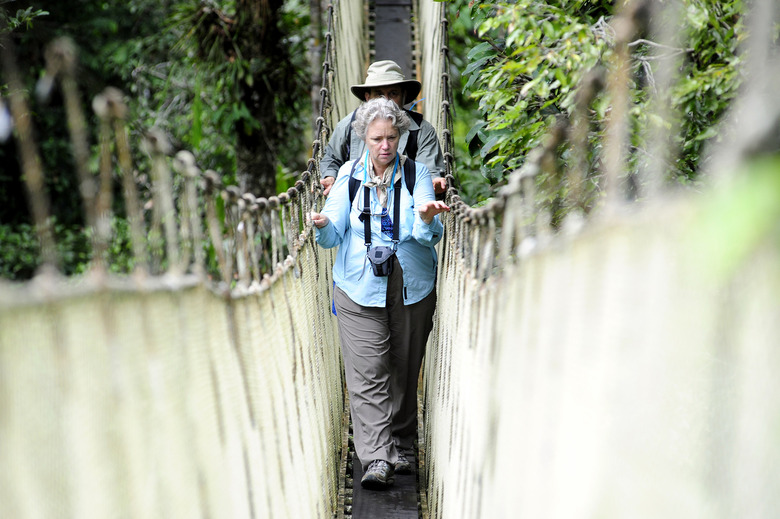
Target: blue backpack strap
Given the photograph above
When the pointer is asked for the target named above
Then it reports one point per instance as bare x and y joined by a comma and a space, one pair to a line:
410, 174
397, 212
411, 142
365, 216
354, 183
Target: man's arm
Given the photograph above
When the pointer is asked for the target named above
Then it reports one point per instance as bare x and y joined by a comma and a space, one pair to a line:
429, 153
335, 154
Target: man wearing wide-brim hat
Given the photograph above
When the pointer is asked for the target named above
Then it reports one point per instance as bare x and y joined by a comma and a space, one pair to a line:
385, 79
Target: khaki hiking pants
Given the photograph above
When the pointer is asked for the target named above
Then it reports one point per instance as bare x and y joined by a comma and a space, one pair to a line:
383, 350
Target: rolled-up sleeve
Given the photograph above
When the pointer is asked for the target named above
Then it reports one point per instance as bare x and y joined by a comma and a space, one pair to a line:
428, 233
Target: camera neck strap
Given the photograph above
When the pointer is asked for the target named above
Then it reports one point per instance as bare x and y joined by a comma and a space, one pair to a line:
365, 214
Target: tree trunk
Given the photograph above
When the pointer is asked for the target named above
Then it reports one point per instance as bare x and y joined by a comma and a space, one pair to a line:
259, 38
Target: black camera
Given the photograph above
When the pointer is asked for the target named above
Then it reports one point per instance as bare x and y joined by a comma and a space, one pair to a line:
381, 259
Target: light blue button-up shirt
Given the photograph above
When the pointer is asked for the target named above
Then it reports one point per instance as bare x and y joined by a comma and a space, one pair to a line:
416, 254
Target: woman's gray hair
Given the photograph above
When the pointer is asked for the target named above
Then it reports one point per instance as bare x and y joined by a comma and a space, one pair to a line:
379, 108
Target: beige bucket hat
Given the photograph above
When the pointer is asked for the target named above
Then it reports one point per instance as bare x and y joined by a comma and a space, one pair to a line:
387, 73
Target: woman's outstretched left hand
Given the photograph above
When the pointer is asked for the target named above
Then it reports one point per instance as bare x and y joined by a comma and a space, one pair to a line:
430, 209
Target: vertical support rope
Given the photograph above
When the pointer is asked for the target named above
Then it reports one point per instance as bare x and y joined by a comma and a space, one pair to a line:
103, 205
213, 186
162, 234
118, 112
192, 234
31, 161
61, 58
626, 26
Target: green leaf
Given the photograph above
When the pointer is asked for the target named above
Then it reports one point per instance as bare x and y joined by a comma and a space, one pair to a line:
475, 129
707, 134
476, 65
697, 15
489, 146
482, 50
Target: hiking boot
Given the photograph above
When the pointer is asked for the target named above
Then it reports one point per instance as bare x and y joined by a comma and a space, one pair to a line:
403, 465
378, 476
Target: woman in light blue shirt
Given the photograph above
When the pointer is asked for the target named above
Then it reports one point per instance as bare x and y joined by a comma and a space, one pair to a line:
383, 216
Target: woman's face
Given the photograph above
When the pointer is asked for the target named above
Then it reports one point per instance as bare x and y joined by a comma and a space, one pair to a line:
382, 141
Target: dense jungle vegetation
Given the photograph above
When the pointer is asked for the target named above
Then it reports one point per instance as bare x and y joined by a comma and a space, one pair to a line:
526, 61
231, 81
228, 80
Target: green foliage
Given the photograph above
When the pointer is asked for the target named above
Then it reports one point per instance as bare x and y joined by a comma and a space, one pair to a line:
530, 59
22, 18
285, 179
183, 70
20, 250
169, 89
119, 256
526, 70
475, 180
710, 76
241, 87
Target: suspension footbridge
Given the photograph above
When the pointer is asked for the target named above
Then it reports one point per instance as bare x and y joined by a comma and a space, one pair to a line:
622, 364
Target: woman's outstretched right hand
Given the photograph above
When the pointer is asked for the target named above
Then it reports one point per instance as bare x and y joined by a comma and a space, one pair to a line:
319, 220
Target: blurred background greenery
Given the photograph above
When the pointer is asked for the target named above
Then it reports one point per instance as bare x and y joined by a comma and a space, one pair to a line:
232, 81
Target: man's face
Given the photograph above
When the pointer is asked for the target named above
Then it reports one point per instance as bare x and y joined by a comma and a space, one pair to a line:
393, 92
382, 140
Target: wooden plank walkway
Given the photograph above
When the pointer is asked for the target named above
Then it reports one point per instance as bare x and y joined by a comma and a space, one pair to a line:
397, 502
394, 35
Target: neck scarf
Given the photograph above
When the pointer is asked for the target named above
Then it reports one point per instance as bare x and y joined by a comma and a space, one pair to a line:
383, 183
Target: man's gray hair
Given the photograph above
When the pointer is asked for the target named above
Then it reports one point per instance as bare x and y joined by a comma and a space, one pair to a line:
380, 108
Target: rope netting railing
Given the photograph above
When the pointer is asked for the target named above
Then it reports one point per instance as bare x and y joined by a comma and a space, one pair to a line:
621, 363
198, 385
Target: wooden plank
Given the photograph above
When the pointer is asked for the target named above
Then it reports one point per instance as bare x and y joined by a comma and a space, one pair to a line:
393, 36
382, 3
